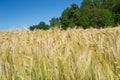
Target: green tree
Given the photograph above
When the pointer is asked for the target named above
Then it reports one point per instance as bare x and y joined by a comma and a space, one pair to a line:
33, 27
88, 4
116, 12
70, 17
106, 17
84, 21
90, 8
55, 21
64, 19
114, 7
94, 17
110, 4
93, 8
96, 13
86, 7
41, 25
97, 3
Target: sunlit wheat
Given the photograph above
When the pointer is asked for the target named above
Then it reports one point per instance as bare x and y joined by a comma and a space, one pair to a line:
55, 54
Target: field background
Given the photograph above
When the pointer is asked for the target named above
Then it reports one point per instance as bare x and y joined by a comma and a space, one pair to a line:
55, 54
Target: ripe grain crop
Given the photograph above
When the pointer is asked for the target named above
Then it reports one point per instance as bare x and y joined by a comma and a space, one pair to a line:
73, 54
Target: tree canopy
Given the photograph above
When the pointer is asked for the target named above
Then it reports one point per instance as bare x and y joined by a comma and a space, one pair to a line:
95, 13
55, 21
41, 25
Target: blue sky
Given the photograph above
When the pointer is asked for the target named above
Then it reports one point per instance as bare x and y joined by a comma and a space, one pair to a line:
24, 13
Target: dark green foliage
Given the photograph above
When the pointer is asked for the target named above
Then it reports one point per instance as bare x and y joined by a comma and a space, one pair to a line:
97, 4
33, 27
116, 12
86, 4
70, 17
94, 17
41, 25
84, 21
114, 7
95, 13
65, 18
55, 21
106, 17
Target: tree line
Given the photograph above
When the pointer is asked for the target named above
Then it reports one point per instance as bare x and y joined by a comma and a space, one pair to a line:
95, 13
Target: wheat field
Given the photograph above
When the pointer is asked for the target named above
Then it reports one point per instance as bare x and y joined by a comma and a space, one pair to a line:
55, 54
